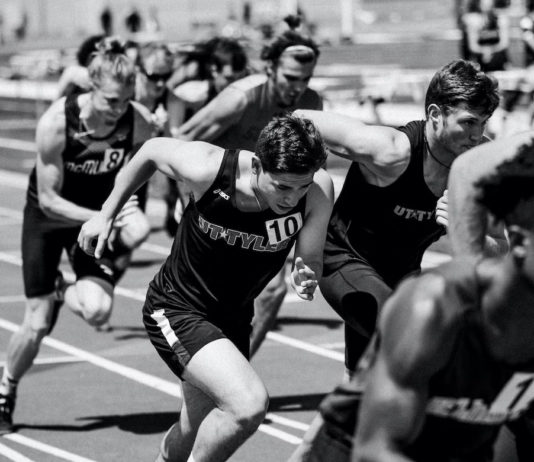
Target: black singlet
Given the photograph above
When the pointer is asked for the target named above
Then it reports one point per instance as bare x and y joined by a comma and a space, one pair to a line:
389, 227
223, 256
90, 164
469, 398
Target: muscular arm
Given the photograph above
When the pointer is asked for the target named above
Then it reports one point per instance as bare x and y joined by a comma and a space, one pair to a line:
416, 340
50, 139
195, 163
468, 221
310, 241
215, 118
384, 151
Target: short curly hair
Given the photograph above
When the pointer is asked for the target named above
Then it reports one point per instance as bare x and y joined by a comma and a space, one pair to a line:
290, 144
508, 193
462, 81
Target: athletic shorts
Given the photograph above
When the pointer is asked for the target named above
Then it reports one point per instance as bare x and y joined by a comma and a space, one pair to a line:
178, 332
43, 241
357, 292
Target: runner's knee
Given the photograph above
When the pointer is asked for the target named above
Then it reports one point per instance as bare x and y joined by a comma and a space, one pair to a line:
136, 231
249, 408
96, 307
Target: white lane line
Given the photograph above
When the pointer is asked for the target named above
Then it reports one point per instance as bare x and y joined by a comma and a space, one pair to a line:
306, 346
159, 249
46, 448
128, 372
18, 123
56, 360
13, 455
18, 145
287, 422
281, 435
11, 213
13, 179
12, 299
333, 346
164, 386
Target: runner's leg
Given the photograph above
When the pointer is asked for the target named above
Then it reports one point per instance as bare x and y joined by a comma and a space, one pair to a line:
240, 401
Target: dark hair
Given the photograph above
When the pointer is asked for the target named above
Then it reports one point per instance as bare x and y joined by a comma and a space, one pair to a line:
290, 144
506, 192
223, 50
110, 59
289, 38
462, 82
87, 48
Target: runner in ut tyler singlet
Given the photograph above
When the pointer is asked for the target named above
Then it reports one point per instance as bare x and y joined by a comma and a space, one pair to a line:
246, 211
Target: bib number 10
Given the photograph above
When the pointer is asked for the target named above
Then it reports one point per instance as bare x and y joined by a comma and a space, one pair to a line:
283, 228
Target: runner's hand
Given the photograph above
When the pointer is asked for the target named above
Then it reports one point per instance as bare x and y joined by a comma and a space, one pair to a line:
442, 211
303, 280
94, 235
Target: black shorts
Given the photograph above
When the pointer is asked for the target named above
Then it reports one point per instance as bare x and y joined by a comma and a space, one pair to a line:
43, 241
356, 292
178, 332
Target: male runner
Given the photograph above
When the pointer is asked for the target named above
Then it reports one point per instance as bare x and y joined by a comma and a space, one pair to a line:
82, 143
234, 119
227, 62
393, 204
247, 211
453, 360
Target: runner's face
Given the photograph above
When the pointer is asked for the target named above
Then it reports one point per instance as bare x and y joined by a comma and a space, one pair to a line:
460, 129
225, 76
156, 71
283, 191
291, 78
111, 98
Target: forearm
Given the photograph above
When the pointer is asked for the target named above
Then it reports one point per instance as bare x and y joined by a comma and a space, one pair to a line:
135, 174
58, 208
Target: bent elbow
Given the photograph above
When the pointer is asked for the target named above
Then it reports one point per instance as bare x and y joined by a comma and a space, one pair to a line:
46, 204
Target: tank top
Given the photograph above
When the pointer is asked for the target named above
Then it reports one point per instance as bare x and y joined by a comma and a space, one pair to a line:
472, 395
259, 110
221, 256
389, 227
90, 164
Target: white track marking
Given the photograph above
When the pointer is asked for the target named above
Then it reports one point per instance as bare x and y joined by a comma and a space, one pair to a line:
13, 455
55, 360
12, 299
18, 145
287, 422
46, 448
11, 213
159, 249
146, 379
281, 435
306, 346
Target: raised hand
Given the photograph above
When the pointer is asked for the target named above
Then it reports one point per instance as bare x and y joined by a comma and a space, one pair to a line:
303, 280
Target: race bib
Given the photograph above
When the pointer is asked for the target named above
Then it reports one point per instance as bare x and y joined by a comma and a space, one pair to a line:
281, 229
112, 159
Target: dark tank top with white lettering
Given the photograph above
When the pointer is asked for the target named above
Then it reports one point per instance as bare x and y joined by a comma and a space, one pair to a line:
90, 164
221, 256
389, 227
469, 398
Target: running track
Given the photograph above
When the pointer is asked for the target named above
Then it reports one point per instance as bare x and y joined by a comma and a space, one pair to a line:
95, 396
